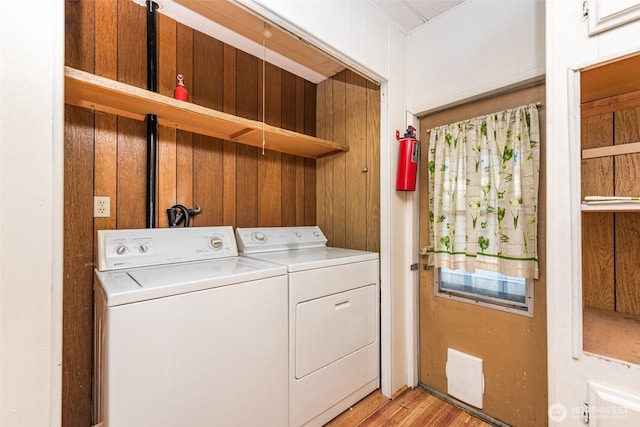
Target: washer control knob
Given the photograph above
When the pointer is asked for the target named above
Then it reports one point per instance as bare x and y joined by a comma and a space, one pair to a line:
316, 234
121, 249
259, 237
215, 242
143, 248
298, 234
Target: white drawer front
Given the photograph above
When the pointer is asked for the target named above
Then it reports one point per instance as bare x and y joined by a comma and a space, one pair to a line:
332, 327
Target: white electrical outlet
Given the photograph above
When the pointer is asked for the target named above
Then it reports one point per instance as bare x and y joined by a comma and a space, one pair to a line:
101, 207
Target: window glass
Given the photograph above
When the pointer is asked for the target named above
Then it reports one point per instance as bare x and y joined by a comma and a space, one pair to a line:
486, 288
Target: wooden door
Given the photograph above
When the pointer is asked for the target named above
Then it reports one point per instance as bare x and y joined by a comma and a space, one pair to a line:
511, 346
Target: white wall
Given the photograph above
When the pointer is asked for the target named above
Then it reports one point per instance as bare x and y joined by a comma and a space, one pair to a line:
31, 126
461, 54
569, 47
359, 34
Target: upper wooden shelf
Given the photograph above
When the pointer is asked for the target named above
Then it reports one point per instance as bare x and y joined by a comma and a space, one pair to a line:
102, 94
611, 207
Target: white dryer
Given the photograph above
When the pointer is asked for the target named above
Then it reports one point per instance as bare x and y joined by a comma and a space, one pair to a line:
187, 332
333, 319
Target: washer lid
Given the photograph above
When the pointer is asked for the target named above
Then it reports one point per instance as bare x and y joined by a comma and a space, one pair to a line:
308, 259
141, 284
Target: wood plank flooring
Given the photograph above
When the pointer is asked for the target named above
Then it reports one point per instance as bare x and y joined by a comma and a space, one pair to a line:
413, 408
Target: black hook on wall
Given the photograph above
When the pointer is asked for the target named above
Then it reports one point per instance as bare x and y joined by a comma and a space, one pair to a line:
178, 214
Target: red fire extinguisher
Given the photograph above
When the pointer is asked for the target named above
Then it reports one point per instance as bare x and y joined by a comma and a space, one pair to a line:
407, 160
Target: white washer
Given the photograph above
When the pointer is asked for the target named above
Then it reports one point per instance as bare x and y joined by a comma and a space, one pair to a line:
187, 332
333, 319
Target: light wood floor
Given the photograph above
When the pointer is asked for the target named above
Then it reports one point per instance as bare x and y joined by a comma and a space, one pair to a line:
412, 408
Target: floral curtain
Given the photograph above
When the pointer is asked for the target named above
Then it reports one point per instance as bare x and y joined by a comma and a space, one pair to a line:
483, 193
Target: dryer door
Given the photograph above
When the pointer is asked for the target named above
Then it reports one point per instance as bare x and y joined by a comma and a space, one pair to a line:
332, 327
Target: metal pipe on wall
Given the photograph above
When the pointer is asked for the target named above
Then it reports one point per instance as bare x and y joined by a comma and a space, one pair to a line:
152, 119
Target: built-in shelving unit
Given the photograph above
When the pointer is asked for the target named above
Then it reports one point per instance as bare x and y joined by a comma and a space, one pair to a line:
610, 155
102, 94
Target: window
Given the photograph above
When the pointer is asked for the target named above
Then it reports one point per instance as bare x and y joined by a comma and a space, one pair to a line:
486, 288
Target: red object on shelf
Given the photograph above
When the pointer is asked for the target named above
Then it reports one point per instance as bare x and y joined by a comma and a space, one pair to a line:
180, 92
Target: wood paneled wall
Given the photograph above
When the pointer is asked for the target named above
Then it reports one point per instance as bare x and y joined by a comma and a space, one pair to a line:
348, 110
106, 155
611, 241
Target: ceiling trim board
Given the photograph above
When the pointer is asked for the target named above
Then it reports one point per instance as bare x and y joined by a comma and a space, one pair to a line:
251, 26
310, 41
205, 25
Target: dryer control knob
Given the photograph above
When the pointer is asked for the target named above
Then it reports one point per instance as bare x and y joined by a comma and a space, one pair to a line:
121, 249
143, 248
259, 237
215, 242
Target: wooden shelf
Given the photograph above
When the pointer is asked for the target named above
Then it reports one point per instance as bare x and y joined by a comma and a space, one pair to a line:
611, 207
611, 334
102, 94
611, 150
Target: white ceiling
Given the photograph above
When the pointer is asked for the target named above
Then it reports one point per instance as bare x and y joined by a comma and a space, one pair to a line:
409, 14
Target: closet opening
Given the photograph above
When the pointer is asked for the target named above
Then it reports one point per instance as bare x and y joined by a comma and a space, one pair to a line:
610, 208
